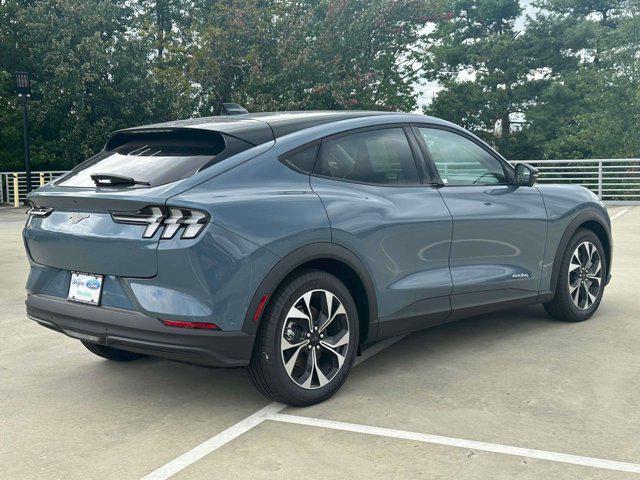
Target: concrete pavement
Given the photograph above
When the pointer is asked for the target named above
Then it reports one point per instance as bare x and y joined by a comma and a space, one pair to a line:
515, 378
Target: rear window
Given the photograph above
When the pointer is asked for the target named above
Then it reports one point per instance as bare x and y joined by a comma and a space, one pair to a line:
156, 157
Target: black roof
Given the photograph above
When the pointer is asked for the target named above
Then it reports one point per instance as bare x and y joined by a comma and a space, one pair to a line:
257, 128
284, 123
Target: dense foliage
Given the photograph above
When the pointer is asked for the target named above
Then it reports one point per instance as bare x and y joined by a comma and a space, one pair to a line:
567, 85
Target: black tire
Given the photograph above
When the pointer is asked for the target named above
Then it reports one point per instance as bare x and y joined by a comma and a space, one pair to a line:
111, 353
562, 306
267, 369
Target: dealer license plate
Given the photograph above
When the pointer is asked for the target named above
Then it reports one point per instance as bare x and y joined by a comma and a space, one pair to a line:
85, 288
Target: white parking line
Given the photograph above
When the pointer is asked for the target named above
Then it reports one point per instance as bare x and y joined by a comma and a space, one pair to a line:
224, 437
459, 442
621, 212
215, 442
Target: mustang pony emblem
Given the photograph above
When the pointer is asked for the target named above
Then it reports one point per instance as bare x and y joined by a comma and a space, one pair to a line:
78, 217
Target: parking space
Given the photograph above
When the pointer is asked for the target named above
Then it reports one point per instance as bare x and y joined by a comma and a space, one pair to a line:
515, 379
275, 450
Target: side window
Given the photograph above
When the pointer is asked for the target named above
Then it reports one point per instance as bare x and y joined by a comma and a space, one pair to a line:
302, 160
375, 156
460, 161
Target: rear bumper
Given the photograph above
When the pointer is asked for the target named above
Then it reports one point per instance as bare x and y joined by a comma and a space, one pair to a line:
135, 332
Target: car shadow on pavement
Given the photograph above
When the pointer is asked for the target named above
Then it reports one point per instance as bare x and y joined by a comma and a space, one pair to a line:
152, 378
159, 378
469, 351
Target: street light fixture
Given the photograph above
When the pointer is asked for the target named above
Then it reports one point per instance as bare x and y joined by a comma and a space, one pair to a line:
23, 87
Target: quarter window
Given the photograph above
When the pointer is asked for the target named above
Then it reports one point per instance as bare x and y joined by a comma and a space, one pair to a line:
460, 161
376, 156
302, 160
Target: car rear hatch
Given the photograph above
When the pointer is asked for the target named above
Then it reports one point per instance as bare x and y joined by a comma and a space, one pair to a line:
75, 225
80, 234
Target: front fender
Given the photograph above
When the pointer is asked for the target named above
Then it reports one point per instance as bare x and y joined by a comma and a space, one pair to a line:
569, 208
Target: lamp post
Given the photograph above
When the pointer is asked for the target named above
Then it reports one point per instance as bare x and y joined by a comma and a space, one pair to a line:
23, 87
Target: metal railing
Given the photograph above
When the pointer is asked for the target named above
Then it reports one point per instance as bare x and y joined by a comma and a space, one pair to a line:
13, 185
613, 180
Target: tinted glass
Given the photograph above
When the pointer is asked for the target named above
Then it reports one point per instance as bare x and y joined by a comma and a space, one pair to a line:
376, 156
150, 158
302, 160
460, 161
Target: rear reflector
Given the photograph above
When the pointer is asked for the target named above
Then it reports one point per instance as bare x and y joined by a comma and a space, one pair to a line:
260, 308
201, 325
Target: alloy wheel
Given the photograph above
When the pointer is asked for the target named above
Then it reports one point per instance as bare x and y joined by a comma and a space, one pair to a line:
585, 275
314, 339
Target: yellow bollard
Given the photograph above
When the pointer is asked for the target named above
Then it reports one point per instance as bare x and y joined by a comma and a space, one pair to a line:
42, 179
16, 191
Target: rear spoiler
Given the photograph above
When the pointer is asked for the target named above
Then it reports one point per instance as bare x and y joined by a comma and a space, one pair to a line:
248, 130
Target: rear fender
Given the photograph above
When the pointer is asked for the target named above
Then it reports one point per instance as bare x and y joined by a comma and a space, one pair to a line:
298, 258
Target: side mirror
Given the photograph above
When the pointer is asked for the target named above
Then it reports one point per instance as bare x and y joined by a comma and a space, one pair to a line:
526, 175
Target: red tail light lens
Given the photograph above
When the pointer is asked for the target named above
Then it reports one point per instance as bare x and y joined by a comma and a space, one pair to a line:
197, 325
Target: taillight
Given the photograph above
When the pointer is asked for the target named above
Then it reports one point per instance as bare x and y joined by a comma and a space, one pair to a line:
152, 217
192, 220
36, 211
171, 219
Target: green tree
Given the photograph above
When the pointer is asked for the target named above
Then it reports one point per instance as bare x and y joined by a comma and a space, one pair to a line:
486, 69
166, 29
233, 38
100, 65
591, 107
304, 54
344, 54
89, 77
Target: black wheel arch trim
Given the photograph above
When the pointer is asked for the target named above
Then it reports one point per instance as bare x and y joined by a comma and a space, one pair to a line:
297, 258
578, 221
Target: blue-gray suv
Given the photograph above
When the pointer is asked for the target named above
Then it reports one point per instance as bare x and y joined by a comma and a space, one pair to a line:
283, 242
